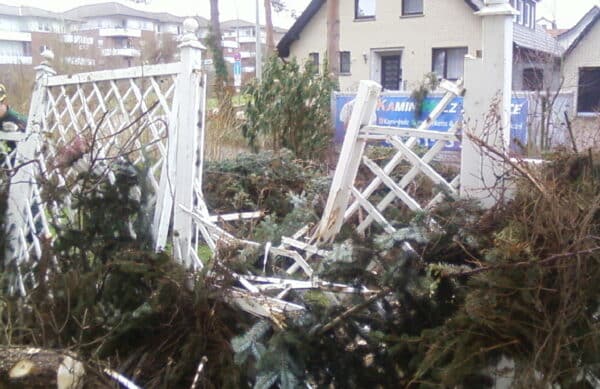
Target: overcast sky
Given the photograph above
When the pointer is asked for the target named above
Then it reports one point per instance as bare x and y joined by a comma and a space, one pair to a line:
567, 12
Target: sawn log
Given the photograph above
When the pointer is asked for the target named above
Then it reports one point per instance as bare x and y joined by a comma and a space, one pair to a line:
27, 367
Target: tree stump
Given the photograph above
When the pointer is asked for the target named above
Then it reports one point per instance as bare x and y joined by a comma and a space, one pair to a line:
27, 367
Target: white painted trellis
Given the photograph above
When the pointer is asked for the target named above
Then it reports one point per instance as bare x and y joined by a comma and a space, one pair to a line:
362, 132
151, 114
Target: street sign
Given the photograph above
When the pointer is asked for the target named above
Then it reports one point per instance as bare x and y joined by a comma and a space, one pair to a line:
237, 71
237, 57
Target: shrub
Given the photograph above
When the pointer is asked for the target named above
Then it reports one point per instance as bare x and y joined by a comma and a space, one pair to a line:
290, 108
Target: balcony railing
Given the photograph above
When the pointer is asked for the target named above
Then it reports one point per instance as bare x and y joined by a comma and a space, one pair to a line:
125, 52
15, 36
119, 31
15, 60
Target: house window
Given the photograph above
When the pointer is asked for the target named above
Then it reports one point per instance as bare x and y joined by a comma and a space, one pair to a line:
588, 94
27, 49
449, 63
313, 58
345, 62
364, 9
527, 12
412, 7
533, 79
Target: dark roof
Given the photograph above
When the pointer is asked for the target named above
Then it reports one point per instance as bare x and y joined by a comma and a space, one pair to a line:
113, 8
283, 47
539, 40
532, 39
11, 10
571, 38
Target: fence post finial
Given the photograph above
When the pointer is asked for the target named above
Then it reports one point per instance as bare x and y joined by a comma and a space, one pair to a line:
45, 66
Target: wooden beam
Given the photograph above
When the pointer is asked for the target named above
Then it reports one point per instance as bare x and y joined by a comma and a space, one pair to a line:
382, 132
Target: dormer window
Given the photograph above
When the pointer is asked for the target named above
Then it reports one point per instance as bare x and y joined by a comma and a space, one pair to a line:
527, 12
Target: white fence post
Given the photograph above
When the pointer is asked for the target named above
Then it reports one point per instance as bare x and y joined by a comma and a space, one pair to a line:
21, 191
487, 81
363, 113
188, 95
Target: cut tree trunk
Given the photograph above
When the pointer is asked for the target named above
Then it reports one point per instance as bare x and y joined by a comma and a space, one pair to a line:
26, 367
333, 37
269, 28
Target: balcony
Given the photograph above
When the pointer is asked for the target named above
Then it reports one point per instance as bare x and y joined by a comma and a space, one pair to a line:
80, 61
120, 32
125, 52
252, 39
15, 36
229, 44
15, 60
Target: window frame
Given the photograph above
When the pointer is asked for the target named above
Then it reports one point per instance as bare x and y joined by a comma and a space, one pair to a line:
587, 111
529, 84
445, 50
314, 59
342, 54
405, 13
363, 17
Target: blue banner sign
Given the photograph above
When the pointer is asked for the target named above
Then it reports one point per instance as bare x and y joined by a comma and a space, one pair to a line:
400, 111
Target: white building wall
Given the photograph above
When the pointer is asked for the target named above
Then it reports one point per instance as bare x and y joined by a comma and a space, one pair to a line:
444, 24
9, 24
585, 54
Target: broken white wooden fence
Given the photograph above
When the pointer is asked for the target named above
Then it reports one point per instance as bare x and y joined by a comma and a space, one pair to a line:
361, 133
155, 116
152, 114
256, 294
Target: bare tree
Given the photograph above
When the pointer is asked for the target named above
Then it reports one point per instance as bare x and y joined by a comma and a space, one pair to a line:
333, 37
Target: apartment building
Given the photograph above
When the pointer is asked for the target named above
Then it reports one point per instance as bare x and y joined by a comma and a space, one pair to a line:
239, 37
26, 31
102, 35
127, 36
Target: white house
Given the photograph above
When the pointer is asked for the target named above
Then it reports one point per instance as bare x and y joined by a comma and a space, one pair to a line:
397, 42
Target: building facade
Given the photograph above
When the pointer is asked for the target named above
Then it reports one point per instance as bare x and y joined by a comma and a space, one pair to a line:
103, 35
396, 43
239, 37
581, 75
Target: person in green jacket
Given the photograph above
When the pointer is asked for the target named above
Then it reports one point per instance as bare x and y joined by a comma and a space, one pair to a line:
10, 120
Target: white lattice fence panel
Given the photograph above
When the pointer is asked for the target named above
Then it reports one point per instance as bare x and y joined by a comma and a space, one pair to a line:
377, 189
92, 120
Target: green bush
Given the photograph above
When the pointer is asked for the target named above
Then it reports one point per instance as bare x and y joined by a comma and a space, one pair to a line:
290, 108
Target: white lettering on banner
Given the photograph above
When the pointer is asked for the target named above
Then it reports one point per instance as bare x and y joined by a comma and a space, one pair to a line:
516, 108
